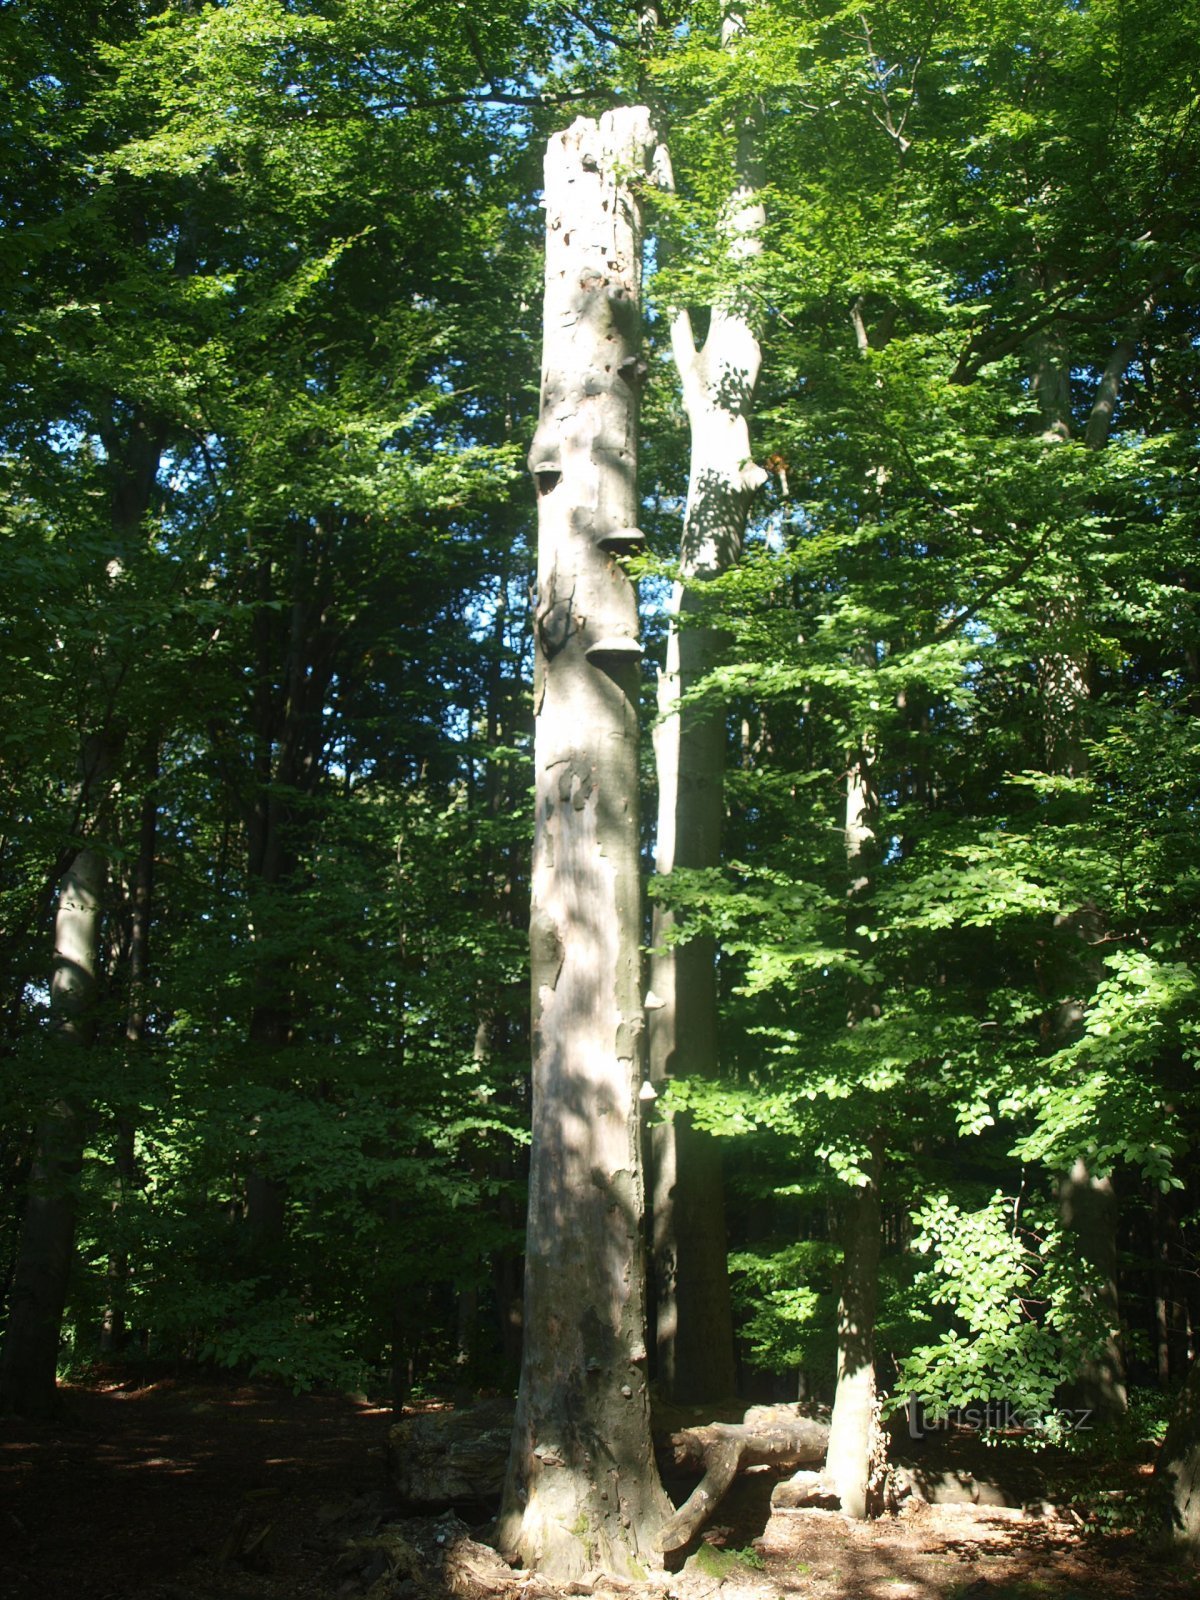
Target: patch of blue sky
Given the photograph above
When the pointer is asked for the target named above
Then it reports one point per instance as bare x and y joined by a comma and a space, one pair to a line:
68, 438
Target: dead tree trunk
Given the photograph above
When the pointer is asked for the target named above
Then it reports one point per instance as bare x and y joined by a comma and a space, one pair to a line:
582, 1490
440, 1458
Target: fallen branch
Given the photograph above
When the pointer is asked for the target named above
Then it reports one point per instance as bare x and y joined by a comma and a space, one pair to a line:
774, 1436
450, 1457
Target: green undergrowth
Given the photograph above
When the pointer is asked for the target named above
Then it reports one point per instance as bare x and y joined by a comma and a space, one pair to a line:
721, 1564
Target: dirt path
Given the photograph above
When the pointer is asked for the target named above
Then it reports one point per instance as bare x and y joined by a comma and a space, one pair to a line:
210, 1491
132, 1488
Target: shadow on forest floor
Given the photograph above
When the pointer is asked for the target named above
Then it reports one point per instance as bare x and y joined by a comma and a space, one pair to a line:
211, 1490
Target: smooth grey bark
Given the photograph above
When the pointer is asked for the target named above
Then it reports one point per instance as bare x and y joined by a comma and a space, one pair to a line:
1108, 389
582, 1490
44, 1254
853, 1422
28, 1365
693, 1315
852, 1425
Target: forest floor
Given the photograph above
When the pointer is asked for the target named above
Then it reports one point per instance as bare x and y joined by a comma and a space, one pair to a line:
209, 1490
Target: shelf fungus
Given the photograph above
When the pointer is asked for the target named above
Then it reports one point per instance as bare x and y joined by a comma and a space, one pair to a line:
622, 541
614, 651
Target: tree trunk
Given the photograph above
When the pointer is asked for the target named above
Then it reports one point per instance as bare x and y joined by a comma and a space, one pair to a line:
295, 667
438, 1458
851, 1428
1088, 1206
769, 1436
30, 1359
40, 1276
1062, 669
1062, 662
1177, 1470
693, 1315
1170, 1309
582, 1489
112, 1326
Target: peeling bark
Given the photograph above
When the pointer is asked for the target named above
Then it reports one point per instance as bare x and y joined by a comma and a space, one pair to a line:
582, 1489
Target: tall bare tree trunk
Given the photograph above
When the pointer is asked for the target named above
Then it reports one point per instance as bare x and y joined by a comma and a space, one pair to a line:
693, 1318
28, 1366
852, 1425
42, 1270
1062, 659
583, 1489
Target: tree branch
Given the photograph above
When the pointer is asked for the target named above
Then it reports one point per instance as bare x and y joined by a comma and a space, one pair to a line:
1104, 405
490, 97
980, 354
1018, 571
595, 29
881, 77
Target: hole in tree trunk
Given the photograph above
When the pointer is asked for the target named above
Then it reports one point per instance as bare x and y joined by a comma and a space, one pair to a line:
547, 479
